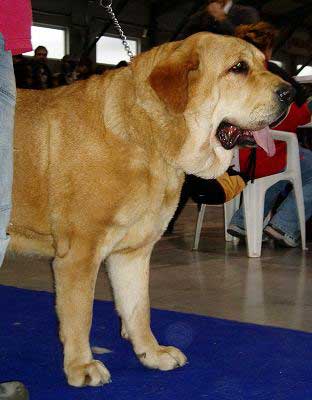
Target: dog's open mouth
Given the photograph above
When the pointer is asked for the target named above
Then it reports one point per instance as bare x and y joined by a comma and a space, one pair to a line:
231, 135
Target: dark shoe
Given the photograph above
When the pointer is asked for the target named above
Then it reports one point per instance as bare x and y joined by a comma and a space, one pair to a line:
240, 233
236, 231
281, 237
13, 391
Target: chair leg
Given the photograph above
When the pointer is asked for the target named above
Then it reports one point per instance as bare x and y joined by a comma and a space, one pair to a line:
253, 208
300, 208
229, 209
199, 225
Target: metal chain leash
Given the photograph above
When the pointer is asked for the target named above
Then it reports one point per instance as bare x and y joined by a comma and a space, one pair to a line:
107, 4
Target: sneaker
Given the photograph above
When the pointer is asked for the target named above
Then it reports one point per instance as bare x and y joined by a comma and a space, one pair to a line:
236, 231
240, 233
281, 237
13, 391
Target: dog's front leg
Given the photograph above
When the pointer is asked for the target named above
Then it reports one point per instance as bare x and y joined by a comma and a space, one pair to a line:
129, 275
75, 276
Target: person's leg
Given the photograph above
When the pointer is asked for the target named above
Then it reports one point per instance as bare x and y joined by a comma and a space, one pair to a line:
7, 107
270, 198
286, 218
8, 390
238, 218
237, 224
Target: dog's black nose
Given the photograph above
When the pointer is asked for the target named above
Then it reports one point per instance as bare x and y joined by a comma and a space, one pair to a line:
286, 94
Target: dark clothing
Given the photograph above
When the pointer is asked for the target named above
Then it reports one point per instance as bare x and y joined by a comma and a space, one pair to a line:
23, 74
202, 21
241, 15
41, 74
209, 191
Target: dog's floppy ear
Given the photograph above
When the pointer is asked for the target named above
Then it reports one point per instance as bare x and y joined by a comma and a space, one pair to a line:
170, 80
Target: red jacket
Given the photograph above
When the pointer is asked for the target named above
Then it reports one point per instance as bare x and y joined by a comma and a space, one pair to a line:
266, 165
15, 25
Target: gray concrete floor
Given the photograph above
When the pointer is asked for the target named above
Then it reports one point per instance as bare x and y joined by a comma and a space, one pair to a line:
219, 280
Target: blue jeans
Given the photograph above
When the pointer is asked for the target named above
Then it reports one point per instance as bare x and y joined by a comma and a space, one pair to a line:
7, 109
286, 217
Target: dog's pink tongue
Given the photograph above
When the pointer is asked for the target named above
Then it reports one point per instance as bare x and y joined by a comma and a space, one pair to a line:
264, 139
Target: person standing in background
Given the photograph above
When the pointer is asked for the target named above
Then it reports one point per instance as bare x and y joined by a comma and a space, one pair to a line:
219, 16
15, 35
41, 73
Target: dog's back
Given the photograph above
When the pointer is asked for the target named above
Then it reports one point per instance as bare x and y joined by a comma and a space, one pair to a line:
38, 123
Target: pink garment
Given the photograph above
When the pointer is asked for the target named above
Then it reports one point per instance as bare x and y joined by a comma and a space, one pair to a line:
15, 25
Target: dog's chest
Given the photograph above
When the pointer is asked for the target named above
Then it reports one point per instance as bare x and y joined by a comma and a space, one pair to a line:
156, 209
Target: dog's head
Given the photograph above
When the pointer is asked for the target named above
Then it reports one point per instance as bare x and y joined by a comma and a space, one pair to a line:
213, 92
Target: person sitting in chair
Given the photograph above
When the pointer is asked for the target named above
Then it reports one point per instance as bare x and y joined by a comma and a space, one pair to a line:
284, 226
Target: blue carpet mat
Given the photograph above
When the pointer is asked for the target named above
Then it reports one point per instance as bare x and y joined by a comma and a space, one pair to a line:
227, 360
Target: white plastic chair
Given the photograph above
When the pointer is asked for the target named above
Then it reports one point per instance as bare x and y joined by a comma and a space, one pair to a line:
253, 199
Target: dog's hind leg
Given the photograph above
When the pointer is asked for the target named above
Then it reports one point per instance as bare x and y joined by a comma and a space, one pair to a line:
129, 275
75, 277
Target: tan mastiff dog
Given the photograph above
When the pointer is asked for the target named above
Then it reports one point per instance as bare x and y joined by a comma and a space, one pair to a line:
99, 166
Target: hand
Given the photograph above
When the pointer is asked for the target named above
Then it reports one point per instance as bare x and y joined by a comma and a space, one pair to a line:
215, 9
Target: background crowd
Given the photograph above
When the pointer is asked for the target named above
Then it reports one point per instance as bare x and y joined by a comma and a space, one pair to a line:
35, 73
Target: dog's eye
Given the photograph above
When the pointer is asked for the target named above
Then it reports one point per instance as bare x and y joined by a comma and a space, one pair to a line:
240, 68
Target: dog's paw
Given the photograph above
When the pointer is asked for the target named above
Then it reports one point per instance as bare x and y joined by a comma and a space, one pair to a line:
92, 374
163, 358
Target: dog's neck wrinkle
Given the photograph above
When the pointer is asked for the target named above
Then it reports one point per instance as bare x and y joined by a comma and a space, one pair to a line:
126, 116
121, 113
